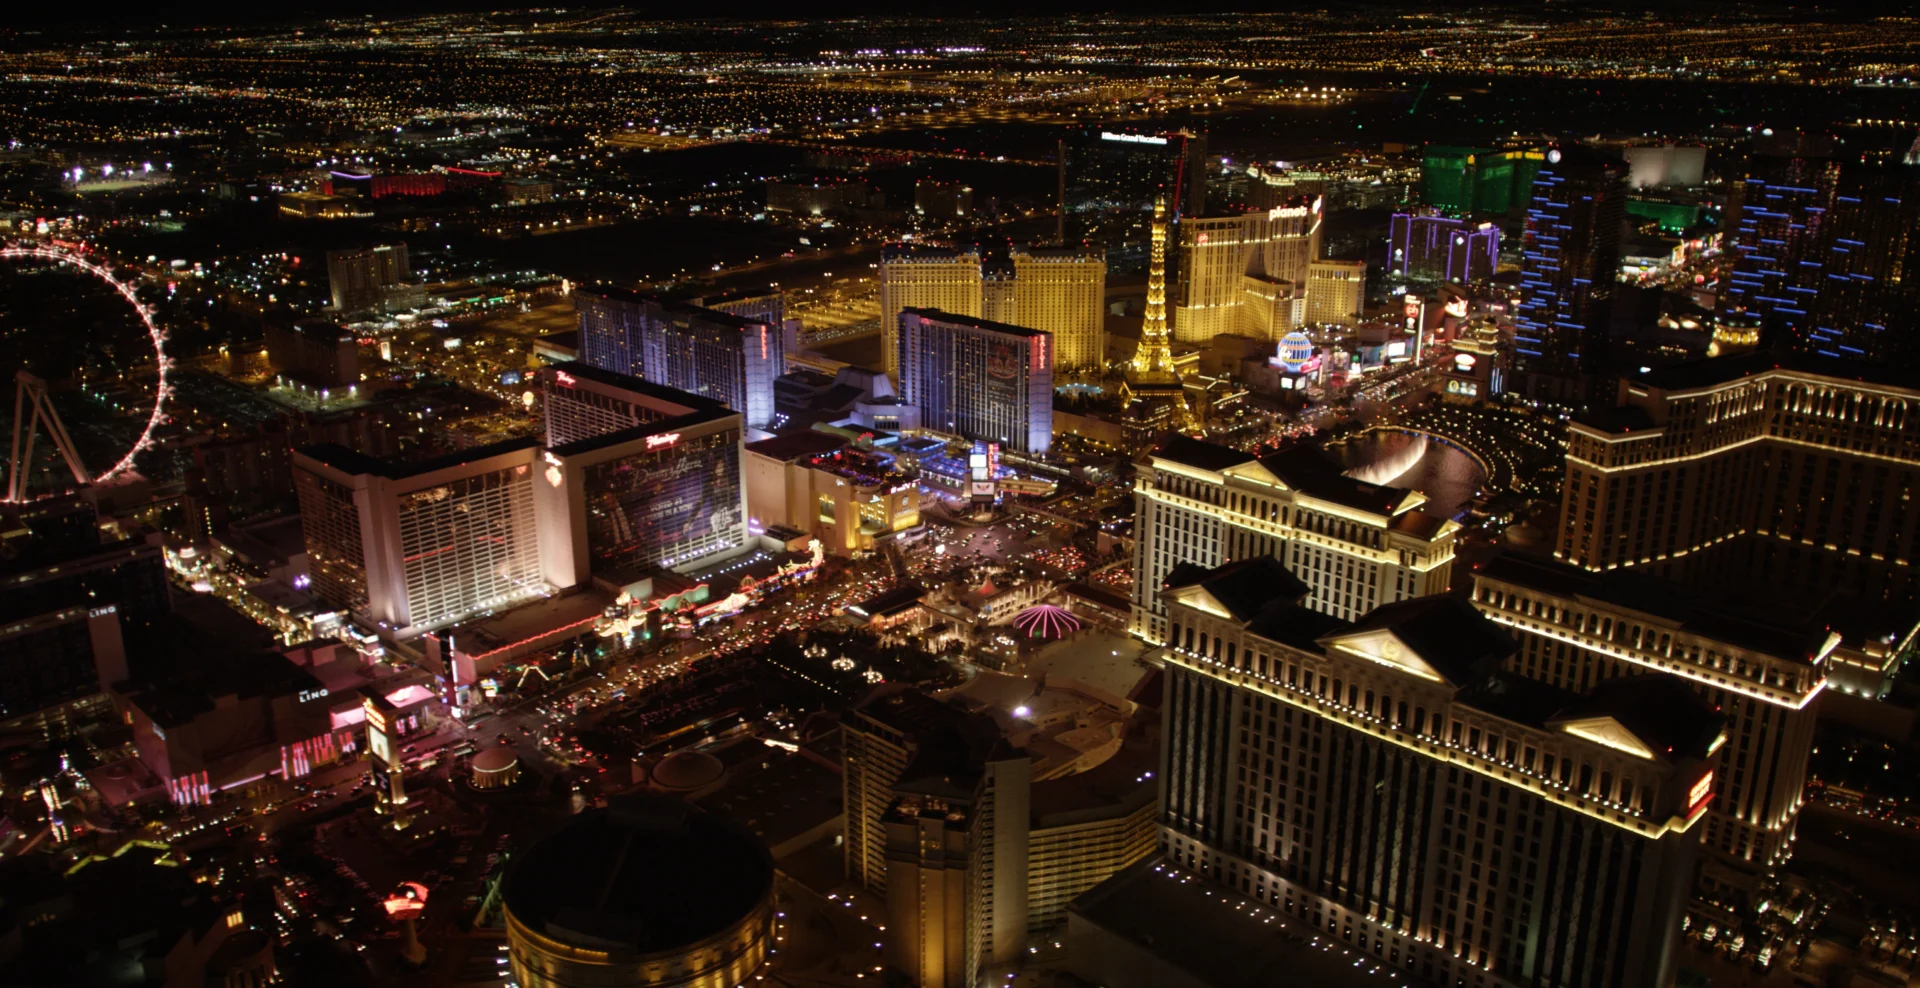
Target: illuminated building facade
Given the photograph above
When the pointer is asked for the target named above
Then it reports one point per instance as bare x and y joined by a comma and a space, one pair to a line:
1751, 472
978, 379
1825, 254
1055, 290
1062, 292
727, 358
358, 279
940, 278
978, 827
1577, 629
665, 493
637, 475
1355, 545
1387, 784
1569, 261
580, 401
1336, 291
1442, 248
425, 544
851, 499
1225, 262
1110, 180
228, 718
1474, 181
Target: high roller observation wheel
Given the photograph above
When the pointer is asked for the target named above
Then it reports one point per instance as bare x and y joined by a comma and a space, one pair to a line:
158, 337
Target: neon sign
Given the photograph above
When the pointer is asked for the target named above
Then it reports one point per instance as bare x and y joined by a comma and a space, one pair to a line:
663, 440
565, 379
1701, 790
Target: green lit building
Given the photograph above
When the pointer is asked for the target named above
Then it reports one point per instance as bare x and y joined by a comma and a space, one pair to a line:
1672, 217
1478, 181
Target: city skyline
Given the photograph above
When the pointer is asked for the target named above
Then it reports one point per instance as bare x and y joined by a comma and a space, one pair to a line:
996, 497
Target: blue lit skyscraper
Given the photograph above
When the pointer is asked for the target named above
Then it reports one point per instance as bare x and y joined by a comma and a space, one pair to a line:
1824, 250
1781, 219
1570, 258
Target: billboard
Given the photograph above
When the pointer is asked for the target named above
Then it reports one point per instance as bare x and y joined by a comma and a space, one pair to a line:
672, 501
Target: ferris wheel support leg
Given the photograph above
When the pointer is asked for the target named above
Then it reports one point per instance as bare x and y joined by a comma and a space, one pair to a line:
17, 467
58, 430
30, 390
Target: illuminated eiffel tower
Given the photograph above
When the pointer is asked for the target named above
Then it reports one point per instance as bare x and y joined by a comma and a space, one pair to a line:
1158, 398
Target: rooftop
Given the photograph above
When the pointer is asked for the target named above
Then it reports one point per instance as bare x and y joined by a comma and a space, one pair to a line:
1722, 370
797, 445
1310, 471
1789, 632
353, 462
639, 386
1204, 455
1444, 631
937, 315
1662, 711
644, 875
1213, 935
1248, 588
666, 305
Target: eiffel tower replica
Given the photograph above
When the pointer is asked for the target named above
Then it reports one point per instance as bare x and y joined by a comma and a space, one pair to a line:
1156, 397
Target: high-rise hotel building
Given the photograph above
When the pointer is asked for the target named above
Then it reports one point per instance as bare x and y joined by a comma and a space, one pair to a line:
1055, 290
1569, 261
425, 544
1062, 292
666, 492
1824, 253
728, 358
978, 379
1750, 470
1762, 669
943, 278
978, 824
634, 476
1387, 784
1336, 292
1355, 545
1246, 273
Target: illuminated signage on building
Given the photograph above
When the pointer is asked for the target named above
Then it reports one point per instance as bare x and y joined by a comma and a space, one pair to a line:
1463, 362
1701, 790
565, 379
1131, 138
662, 441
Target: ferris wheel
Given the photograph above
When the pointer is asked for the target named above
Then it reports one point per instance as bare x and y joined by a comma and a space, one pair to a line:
33, 407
